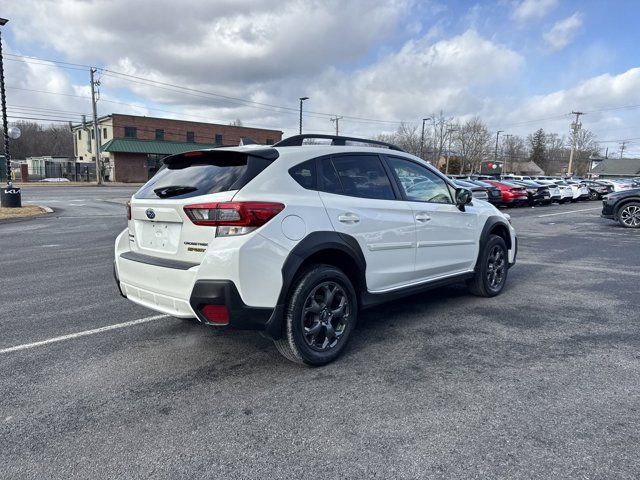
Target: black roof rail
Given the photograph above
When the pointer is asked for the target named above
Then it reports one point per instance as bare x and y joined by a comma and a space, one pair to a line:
298, 140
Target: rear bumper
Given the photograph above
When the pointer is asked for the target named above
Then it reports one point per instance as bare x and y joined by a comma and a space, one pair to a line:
203, 293
183, 289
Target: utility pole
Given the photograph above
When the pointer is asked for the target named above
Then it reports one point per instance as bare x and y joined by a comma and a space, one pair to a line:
495, 156
96, 131
449, 131
507, 136
336, 120
623, 147
302, 99
575, 127
422, 136
436, 159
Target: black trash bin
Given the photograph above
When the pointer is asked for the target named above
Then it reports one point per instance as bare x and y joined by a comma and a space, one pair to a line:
10, 197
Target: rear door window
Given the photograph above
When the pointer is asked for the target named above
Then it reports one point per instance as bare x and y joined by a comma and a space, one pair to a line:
208, 172
358, 176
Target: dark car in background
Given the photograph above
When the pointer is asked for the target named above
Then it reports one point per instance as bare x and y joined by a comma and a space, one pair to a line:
495, 196
623, 207
597, 190
537, 193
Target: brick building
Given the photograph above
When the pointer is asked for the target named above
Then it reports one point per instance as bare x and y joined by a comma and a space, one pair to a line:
132, 146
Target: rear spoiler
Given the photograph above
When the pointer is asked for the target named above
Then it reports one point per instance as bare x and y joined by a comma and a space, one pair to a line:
213, 154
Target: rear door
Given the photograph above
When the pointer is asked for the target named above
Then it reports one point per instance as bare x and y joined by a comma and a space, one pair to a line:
361, 202
447, 240
159, 225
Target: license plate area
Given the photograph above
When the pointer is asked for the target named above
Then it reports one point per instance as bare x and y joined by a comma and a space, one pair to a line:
159, 236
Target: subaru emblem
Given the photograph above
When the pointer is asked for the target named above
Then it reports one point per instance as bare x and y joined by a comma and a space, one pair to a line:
150, 213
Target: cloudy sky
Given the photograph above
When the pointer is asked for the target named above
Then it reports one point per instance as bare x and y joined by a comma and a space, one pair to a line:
518, 64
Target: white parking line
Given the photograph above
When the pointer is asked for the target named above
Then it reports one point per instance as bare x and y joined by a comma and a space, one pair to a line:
82, 334
570, 211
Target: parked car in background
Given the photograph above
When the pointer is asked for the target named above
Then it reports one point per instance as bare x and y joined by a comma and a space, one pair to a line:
514, 177
495, 196
537, 193
575, 189
476, 191
623, 207
618, 185
583, 190
512, 194
566, 192
597, 190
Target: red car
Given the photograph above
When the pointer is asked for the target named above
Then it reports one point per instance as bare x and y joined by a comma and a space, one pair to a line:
512, 194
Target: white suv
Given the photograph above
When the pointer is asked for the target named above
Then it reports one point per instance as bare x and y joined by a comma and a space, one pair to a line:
295, 240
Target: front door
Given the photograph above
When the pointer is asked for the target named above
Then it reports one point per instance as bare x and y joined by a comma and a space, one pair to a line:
447, 241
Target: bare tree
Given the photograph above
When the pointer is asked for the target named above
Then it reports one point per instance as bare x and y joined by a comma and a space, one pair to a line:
473, 142
406, 137
39, 140
586, 146
515, 151
441, 131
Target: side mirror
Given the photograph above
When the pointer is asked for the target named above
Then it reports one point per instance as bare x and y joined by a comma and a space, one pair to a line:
463, 197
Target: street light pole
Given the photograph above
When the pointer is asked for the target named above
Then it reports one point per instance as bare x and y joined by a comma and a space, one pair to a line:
449, 131
9, 196
422, 137
495, 157
302, 99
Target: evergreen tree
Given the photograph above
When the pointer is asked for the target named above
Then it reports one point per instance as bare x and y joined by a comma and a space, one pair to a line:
538, 149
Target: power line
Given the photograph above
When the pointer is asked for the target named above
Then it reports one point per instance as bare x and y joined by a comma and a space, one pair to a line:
152, 82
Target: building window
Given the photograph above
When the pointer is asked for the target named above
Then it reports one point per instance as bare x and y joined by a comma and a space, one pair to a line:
191, 137
159, 134
79, 134
218, 139
104, 134
130, 132
269, 141
92, 134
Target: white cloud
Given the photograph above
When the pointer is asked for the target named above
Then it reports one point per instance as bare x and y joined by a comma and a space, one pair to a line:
272, 52
563, 32
532, 9
595, 96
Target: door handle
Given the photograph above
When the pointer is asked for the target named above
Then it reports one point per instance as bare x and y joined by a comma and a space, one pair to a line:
348, 218
422, 217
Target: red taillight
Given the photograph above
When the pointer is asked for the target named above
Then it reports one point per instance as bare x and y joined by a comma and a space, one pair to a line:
233, 214
128, 210
218, 314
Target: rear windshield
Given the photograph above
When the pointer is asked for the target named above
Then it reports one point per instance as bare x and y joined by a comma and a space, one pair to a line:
211, 172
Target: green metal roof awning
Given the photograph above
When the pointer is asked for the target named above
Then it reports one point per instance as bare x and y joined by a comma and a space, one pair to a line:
133, 145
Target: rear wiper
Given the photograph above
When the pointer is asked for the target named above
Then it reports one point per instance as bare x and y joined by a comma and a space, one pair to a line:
166, 192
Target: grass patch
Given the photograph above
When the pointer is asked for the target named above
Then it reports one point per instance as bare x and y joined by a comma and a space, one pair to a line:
30, 211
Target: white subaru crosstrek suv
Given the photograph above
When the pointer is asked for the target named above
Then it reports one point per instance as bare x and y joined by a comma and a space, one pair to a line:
294, 240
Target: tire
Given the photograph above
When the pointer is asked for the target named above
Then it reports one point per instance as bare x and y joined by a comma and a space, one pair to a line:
489, 281
593, 195
321, 313
629, 215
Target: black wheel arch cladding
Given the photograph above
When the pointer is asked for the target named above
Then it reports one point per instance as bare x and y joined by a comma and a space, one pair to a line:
317, 244
494, 225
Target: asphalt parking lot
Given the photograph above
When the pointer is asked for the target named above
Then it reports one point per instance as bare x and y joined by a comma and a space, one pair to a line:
542, 381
